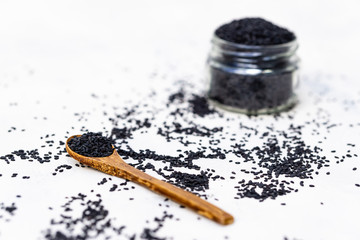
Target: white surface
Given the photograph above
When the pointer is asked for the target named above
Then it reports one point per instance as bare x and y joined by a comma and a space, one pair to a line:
54, 55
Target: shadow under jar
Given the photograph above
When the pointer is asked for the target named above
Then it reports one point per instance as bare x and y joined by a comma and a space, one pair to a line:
253, 79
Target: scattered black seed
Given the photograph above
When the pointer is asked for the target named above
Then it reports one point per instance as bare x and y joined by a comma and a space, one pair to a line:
331, 126
150, 234
91, 145
95, 222
262, 191
61, 168
10, 209
31, 155
113, 188
102, 182
7, 211
281, 161
193, 182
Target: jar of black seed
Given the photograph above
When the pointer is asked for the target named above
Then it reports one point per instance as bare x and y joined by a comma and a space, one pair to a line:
252, 67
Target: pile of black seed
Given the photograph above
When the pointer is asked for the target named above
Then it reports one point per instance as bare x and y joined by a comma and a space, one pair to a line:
254, 31
91, 145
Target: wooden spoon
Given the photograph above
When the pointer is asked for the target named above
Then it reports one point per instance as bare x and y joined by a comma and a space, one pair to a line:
116, 166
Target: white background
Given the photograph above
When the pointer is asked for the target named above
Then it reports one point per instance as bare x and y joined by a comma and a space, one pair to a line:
54, 54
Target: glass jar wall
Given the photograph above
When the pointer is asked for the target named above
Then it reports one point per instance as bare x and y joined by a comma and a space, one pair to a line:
252, 79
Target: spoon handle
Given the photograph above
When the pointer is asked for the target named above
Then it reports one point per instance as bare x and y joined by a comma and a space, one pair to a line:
174, 193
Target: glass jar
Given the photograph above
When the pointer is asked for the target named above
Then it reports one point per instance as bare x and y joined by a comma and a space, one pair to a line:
252, 79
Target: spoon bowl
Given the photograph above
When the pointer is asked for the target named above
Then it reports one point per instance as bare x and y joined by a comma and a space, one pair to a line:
116, 166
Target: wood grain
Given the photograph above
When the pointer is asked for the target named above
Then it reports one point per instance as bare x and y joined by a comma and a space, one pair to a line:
115, 165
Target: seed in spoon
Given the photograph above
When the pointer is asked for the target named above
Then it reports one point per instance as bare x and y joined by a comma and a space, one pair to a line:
92, 145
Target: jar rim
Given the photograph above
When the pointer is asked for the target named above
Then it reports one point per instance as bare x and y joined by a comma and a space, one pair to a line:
219, 40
